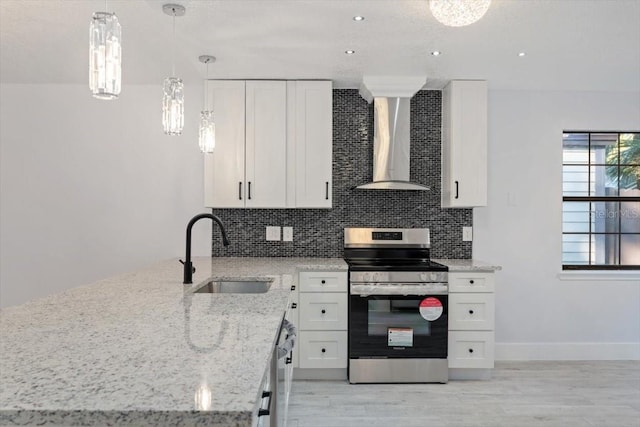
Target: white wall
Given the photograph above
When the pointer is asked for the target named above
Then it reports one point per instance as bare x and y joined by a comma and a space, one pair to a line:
539, 316
91, 188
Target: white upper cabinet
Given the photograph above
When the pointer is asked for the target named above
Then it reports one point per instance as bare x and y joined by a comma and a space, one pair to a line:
224, 168
266, 144
464, 144
313, 144
273, 144
248, 165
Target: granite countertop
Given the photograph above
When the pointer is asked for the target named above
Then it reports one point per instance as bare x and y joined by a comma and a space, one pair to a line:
462, 265
142, 349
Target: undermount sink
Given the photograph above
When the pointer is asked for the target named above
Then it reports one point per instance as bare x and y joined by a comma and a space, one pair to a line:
234, 287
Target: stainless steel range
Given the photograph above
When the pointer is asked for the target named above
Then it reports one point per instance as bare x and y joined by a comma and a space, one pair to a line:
398, 306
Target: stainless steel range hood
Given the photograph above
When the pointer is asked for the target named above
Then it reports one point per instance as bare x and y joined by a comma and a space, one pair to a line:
391, 136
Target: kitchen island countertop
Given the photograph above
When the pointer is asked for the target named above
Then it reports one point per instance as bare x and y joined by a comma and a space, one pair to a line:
142, 349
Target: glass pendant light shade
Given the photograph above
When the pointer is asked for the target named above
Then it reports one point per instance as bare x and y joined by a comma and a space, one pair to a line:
458, 13
173, 106
105, 56
207, 134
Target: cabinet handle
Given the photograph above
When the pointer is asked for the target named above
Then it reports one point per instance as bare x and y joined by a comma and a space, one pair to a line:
293, 287
471, 281
240, 191
324, 351
249, 190
326, 190
324, 311
294, 305
470, 311
323, 282
470, 350
263, 412
456, 189
287, 361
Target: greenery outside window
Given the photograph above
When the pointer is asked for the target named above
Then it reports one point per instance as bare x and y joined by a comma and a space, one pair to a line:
601, 200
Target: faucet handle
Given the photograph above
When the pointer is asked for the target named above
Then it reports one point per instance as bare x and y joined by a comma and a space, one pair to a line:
193, 269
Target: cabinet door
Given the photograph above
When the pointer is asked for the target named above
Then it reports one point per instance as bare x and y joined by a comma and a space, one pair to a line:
313, 143
224, 168
266, 144
464, 144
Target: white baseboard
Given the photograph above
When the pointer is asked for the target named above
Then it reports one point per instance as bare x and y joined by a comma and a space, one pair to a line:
568, 351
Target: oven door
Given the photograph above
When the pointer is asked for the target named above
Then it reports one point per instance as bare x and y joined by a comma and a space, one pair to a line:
397, 326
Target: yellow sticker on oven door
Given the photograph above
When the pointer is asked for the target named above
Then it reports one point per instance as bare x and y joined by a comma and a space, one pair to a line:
431, 309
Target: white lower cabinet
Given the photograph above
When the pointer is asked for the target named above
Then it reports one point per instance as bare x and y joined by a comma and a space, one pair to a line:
471, 349
322, 325
471, 324
323, 349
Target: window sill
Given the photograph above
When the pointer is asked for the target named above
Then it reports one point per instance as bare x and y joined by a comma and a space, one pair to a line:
621, 275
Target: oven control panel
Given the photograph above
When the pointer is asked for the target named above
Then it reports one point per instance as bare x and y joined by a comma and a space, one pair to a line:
386, 235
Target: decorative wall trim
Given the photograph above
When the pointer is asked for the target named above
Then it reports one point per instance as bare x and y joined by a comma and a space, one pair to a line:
568, 351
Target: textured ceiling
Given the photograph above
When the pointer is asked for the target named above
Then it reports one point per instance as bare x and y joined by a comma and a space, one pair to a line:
570, 44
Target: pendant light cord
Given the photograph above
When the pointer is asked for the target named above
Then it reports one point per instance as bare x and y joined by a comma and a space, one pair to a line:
206, 92
173, 47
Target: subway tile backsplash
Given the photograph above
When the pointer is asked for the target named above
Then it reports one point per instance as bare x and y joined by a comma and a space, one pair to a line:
319, 232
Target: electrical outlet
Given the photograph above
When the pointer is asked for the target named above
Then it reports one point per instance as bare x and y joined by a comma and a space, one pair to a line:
287, 234
467, 234
273, 234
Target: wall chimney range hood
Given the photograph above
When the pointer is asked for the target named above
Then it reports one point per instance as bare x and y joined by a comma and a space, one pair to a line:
391, 97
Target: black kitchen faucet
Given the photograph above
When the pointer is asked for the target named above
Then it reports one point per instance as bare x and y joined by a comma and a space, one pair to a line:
188, 266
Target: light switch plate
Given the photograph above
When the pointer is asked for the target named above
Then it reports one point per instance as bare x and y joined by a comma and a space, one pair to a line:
273, 234
287, 234
467, 234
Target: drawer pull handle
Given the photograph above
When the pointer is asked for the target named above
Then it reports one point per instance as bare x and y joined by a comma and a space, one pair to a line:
293, 287
470, 311
470, 350
324, 311
294, 305
471, 281
324, 350
323, 281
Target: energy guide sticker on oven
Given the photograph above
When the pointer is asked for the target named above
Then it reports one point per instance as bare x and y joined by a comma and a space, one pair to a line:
400, 337
431, 309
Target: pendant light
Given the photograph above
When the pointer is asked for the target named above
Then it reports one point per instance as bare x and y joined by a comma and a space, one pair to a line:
207, 130
173, 99
458, 13
105, 55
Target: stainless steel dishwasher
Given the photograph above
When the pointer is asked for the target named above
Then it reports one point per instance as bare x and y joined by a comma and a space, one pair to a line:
273, 408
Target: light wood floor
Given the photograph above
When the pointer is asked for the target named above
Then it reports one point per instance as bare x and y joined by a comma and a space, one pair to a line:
520, 394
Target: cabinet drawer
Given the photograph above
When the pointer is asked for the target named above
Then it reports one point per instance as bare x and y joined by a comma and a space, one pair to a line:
469, 349
471, 282
323, 349
323, 311
471, 312
327, 281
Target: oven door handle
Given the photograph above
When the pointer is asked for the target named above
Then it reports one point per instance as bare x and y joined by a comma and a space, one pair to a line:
419, 289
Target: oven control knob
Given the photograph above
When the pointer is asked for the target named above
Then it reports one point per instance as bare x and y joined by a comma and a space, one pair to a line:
423, 276
434, 277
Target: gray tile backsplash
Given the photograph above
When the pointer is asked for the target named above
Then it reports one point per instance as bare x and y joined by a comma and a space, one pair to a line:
319, 232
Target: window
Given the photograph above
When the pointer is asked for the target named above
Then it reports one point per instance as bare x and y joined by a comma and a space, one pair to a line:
601, 200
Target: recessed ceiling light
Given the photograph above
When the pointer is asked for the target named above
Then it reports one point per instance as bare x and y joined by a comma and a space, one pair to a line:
349, 52
436, 53
521, 54
358, 18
